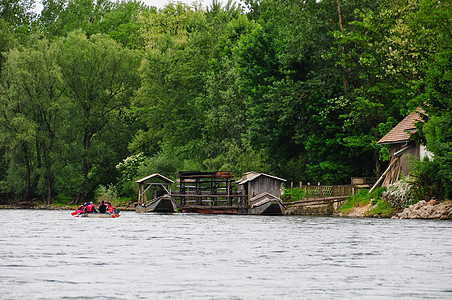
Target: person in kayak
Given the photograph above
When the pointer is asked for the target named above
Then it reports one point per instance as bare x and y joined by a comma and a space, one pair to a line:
102, 208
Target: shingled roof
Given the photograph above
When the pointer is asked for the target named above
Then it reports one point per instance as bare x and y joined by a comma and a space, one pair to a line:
401, 133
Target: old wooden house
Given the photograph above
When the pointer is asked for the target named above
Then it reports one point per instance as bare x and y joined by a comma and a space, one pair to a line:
402, 148
253, 184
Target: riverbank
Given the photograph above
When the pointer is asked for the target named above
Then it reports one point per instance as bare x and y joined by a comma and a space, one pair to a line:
421, 210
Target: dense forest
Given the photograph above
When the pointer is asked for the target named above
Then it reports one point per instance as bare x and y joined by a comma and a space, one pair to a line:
95, 94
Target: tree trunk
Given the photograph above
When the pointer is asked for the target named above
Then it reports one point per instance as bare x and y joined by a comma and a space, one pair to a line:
377, 162
28, 174
86, 166
49, 182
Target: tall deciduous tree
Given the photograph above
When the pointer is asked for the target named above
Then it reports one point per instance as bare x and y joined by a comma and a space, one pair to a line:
32, 93
102, 77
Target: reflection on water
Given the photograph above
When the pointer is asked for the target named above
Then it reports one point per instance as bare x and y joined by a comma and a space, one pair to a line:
52, 255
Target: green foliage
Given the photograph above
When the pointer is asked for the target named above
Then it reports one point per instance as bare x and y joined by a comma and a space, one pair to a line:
301, 89
292, 195
361, 198
239, 159
107, 194
428, 181
382, 209
129, 166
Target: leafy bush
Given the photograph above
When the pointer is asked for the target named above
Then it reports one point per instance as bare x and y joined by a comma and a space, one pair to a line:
104, 193
382, 209
295, 194
433, 178
427, 180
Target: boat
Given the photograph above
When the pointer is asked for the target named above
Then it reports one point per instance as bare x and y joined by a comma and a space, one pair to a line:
98, 215
164, 203
266, 204
80, 213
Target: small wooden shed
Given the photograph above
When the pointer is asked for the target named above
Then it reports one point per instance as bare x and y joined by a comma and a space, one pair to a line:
401, 146
253, 184
160, 186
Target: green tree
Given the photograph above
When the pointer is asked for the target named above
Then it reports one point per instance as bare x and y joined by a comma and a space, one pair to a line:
172, 79
102, 77
59, 17
34, 88
19, 15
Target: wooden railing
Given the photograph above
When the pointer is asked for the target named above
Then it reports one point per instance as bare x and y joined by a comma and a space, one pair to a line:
323, 191
314, 195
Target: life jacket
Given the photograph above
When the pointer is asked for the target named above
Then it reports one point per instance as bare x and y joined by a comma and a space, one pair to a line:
89, 208
110, 209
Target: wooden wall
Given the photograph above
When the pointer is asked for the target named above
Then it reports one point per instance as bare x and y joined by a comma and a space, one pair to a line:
403, 166
265, 184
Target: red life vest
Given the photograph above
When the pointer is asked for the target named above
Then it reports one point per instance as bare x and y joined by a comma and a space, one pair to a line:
110, 209
89, 208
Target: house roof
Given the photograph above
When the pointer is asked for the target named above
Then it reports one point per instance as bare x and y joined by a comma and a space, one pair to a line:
250, 176
155, 175
401, 132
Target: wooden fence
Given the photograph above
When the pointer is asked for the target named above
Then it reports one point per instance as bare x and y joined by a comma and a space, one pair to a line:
314, 195
323, 191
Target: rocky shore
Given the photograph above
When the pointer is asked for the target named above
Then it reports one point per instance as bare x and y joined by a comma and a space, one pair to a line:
427, 210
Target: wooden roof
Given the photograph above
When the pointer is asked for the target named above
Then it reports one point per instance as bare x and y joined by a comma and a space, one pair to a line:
401, 132
264, 197
250, 176
155, 175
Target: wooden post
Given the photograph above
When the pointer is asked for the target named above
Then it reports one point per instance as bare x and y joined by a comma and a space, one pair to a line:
301, 184
384, 174
291, 185
228, 183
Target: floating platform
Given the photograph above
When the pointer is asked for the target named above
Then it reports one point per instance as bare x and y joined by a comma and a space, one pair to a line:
266, 204
164, 203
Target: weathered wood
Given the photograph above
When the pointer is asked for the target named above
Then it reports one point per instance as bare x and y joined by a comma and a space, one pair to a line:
317, 200
162, 204
384, 174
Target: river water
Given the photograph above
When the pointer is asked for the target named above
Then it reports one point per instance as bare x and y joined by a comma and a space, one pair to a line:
53, 255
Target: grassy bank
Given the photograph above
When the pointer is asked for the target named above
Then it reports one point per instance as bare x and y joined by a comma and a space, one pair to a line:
370, 205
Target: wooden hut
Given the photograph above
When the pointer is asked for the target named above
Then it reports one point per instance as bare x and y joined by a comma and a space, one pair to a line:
401, 147
159, 189
253, 184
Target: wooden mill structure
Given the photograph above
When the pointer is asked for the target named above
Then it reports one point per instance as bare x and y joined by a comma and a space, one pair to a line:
208, 192
214, 192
